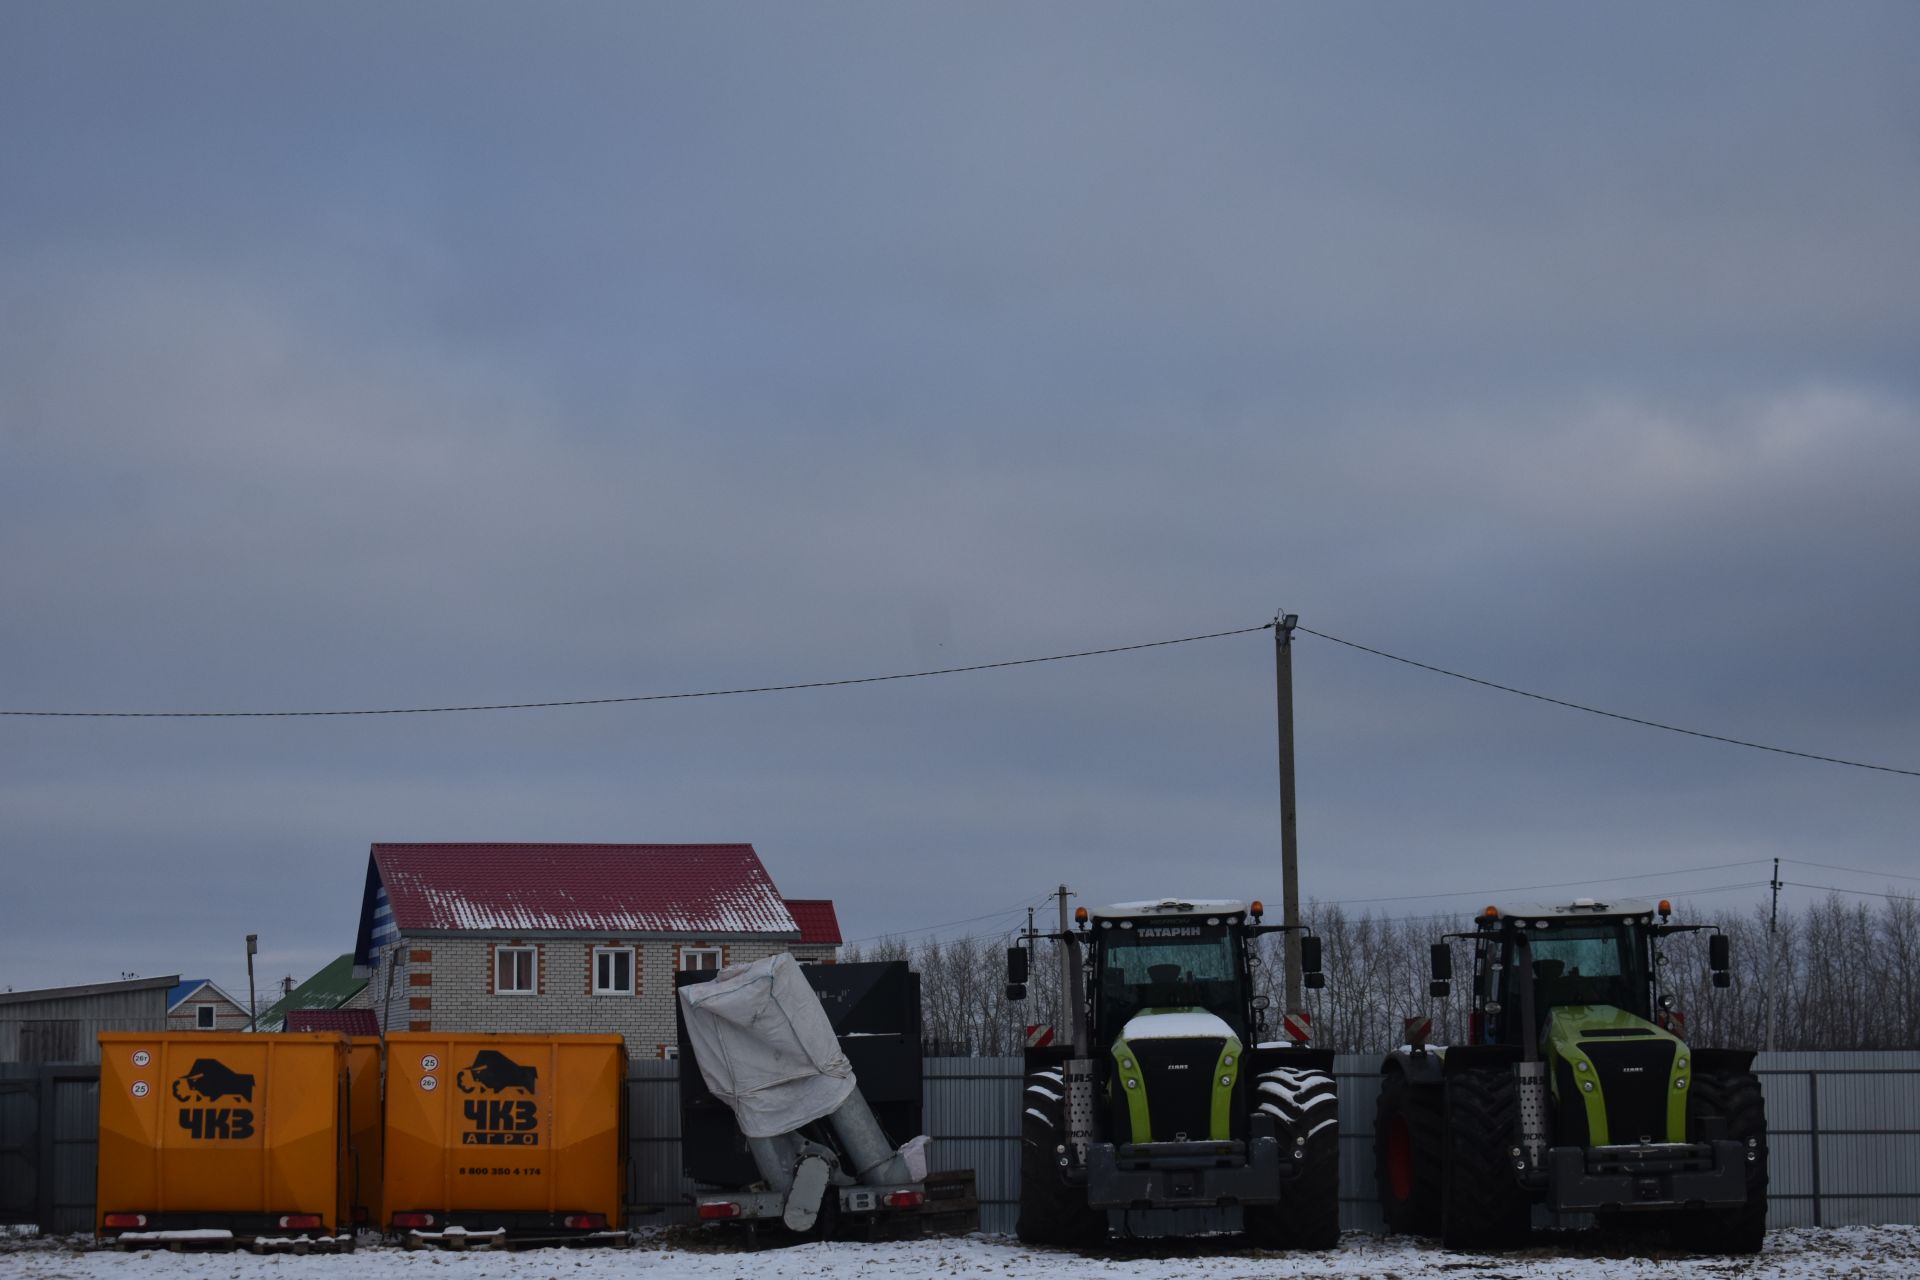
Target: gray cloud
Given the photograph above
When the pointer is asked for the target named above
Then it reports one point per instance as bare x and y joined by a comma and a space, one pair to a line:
370, 358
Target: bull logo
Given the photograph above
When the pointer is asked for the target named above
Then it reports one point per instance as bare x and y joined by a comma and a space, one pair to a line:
494, 1072
210, 1081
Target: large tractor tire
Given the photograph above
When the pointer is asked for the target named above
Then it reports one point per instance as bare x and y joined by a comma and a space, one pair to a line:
1052, 1211
1306, 1106
1482, 1205
1735, 1097
1409, 1153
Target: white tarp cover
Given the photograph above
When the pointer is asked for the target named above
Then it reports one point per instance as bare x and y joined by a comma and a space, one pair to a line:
765, 1046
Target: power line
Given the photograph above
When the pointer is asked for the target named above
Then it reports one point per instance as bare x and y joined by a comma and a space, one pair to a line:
1456, 916
639, 697
1858, 893
929, 928
1611, 715
1852, 871
1557, 884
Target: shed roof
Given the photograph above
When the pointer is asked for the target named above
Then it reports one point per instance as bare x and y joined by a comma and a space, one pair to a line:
334, 985
354, 1022
188, 987
567, 888
91, 989
819, 925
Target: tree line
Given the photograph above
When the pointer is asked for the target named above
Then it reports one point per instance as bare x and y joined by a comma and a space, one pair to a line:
1835, 975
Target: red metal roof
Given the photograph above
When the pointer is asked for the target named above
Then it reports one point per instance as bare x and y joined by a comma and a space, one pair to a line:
355, 1022
591, 888
819, 926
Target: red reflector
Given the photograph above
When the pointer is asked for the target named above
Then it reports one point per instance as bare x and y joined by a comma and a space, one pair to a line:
126, 1219
901, 1199
585, 1221
299, 1219
719, 1209
412, 1219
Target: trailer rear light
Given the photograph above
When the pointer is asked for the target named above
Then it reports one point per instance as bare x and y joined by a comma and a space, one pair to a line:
902, 1199
299, 1219
584, 1221
719, 1209
126, 1220
412, 1220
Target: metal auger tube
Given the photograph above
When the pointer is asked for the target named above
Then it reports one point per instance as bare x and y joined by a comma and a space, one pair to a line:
865, 1142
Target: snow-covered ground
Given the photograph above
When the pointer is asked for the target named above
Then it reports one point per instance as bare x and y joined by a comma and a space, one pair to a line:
1791, 1255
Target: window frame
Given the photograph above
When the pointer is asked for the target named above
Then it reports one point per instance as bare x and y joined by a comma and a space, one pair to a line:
204, 1017
633, 971
532, 988
686, 953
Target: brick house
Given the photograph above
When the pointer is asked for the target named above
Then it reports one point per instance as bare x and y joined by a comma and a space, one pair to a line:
567, 937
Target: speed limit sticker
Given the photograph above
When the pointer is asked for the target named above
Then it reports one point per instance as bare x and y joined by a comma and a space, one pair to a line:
429, 1063
141, 1057
139, 1088
429, 1083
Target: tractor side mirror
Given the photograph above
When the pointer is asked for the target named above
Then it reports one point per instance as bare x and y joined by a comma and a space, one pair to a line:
1718, 954
1016, 974
1441, 956
1310, 975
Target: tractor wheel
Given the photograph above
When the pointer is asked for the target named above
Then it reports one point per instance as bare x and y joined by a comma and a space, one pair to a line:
1409, 1142
1483, 1205
1052, 1212
1307, 1108
1734, 1095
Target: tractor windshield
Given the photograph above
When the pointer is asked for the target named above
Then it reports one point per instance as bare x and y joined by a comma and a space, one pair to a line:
1598, 963
1168, 966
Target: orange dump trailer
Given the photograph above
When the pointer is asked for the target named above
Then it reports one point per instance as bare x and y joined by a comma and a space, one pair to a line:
507, 1135
224, 1132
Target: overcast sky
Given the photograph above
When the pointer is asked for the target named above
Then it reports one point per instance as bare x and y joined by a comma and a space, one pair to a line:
358, 356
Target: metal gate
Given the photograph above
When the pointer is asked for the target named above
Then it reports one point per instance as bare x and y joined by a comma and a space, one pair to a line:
49, 1138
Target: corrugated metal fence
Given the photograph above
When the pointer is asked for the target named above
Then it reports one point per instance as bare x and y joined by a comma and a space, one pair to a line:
1844, 1130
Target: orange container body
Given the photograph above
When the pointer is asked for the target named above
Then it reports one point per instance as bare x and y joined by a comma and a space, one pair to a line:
201, 1129
365, 1126
513, 1132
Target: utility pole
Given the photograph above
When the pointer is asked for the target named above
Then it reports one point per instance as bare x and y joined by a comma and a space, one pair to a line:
253, 1013
1773, 951
1283, 625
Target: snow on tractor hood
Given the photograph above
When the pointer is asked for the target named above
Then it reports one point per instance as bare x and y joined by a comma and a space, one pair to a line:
1188, 1024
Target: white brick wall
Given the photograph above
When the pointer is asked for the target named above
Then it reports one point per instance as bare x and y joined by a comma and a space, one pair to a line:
446, 984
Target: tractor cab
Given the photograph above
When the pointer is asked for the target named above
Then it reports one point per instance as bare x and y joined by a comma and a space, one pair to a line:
1153, 959
1584, 954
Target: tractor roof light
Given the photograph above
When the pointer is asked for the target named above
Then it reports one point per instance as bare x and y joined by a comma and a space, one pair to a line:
1491, 913
1666, 909
1257, 910
1080, 916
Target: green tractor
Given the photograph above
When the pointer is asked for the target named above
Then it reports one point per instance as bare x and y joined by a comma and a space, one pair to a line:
1165, 1096
1574, 1090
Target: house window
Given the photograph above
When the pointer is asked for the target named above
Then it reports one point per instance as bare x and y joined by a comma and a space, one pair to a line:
203, 1017
515, 971
692, 958
613, 971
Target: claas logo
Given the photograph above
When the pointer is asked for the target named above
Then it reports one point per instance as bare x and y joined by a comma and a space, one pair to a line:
210, 1081
494, 1072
